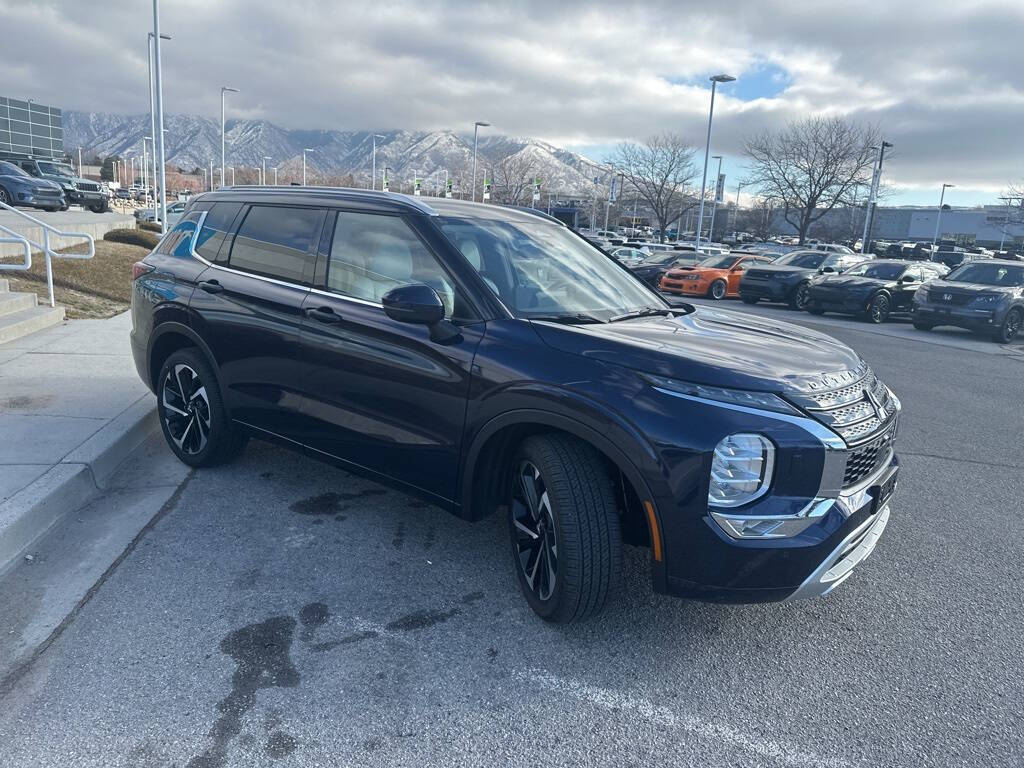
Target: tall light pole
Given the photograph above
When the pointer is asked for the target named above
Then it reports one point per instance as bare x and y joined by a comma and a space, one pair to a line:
275, 175
938, 218
714, 201
373, 172
80, 162
476, 127
870, 213
232, 175
715, 80
223, 139
736, 209
158, 133
152, 108
264, 174
304, 151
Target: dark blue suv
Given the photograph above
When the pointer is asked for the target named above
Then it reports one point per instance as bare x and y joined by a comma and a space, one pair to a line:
489, 359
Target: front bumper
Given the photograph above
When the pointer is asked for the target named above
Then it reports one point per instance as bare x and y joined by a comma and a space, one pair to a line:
960, 316
86, 198
38, 199
769, 290
685, 287
838, 302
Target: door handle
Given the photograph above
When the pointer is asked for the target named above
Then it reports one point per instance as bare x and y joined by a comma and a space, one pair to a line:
211, 286
323, 315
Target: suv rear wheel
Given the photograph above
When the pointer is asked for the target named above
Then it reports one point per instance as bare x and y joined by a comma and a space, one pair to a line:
192, 414
878, 309
565, 528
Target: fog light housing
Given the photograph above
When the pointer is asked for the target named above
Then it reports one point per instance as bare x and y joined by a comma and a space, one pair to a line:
741, 470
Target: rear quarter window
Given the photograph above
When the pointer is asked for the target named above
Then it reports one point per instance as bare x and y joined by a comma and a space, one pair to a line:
215, 230
178, 242
277, 242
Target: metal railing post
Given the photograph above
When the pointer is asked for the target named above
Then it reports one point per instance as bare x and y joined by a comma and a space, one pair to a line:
49, 267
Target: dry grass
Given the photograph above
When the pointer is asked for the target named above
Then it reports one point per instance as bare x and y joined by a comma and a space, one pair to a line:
97, 287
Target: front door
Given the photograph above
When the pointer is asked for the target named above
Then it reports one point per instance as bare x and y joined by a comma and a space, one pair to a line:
380, 394
248, 306
903, 295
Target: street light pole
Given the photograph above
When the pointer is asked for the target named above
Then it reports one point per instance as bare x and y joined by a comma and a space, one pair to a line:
373, 172
714, 201
158, 134
275, 175
476, 127
264, 174
736, 210
232, 175
304, 151
1006, 221
938, 219
869, 214
715, 80
223, 138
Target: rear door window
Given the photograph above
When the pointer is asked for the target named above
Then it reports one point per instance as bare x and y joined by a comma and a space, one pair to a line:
278, 242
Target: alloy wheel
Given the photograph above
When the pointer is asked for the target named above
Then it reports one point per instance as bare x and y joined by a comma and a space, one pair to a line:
536, 548
879, 309
186, 409
4, 196
803, 295
1014, 322
718, 290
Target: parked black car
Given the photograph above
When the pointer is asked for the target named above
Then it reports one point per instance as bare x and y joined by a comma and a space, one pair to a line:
77, 191
490, 360
985, 295
19, 189
650, 270
872, 289
788, 278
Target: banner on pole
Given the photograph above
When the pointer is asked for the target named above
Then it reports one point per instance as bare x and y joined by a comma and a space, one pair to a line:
448, 189
416, 186
720, 189
536, 189
487, 189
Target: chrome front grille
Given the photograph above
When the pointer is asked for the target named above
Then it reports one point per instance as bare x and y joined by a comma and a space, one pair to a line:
864, 414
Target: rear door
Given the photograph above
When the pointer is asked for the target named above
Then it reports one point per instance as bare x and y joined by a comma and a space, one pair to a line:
381, 394
248, 305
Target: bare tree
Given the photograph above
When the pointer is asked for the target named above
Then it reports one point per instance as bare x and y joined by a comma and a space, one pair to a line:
660, 171
513, 180
758, 218
810, 167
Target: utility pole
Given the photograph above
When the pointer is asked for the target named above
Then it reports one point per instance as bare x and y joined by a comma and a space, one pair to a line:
938, 218
159, 132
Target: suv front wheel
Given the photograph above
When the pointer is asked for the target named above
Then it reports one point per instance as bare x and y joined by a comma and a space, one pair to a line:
566, 533
192, 414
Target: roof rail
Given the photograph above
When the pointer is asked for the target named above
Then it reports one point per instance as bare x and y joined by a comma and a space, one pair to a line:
534, 212
406, 200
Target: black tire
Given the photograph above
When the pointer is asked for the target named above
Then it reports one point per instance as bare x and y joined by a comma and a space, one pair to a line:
585, 545
923, 326
717, 290
98, 208
192, 415
1011, 326
878, 309
748, 299
5, 197
814, 309
800, 296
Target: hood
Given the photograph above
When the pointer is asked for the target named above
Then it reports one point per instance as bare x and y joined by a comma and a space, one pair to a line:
852, 282
783, 269
714, 346
707, 272
947, 286
30, 181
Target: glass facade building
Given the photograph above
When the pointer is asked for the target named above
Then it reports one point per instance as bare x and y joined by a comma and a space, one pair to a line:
30, 129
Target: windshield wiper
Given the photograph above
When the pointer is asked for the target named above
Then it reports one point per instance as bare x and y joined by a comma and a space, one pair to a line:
645, 312
577, 318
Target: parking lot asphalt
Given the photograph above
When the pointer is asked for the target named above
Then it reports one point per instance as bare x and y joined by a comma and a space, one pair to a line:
282, 612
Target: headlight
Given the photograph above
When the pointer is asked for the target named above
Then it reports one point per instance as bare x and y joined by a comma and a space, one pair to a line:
764, 401
741, 470
69, 185
989, 298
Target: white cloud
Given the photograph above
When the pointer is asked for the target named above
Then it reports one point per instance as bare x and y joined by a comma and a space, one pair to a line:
939, 79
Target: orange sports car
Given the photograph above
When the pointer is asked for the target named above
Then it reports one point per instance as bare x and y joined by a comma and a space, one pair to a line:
716, 277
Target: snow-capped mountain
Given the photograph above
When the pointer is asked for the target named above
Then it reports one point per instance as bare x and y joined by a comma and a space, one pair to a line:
194, 141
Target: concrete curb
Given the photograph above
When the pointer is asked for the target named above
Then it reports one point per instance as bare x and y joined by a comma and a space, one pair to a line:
30, 513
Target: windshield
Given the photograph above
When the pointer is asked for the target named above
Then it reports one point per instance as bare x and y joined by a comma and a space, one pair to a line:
57, 169
803, 259
9, 169
662, 257
541, 269
718, 262
989, 274
877, 271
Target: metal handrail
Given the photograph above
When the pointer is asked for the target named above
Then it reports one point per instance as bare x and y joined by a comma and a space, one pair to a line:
48, 253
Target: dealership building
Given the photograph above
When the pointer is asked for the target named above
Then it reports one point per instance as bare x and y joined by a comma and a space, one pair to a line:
27, 128
986, 225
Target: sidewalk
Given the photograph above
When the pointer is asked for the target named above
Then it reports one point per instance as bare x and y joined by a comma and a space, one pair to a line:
72, 408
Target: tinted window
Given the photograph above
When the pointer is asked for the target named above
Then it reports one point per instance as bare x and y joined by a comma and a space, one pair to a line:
215, 229
277, 242
803, 259
989, 274
371, 254
178, 242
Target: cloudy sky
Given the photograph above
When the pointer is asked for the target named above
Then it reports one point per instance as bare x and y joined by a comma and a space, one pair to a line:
942, 79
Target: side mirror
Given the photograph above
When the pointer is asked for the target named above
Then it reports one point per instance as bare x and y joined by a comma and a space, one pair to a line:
419, 304
827, 270
906, 279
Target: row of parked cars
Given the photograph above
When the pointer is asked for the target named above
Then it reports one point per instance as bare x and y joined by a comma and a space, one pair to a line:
983, 294
49, 185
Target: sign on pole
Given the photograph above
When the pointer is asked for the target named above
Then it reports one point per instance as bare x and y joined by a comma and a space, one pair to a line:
720, 189
416, 186
536, 189
487, 189
448, 189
